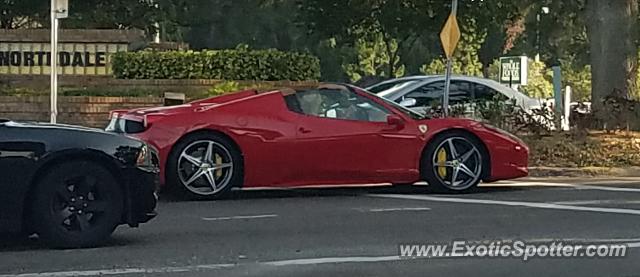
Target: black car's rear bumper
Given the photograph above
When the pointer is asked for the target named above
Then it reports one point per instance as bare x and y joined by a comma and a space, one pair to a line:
141, 196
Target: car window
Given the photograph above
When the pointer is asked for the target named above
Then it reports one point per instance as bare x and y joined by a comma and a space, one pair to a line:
483, 92
431, 94
336, 104
460, 92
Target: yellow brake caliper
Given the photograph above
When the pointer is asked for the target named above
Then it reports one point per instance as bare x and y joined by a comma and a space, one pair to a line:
218, 163
442, 159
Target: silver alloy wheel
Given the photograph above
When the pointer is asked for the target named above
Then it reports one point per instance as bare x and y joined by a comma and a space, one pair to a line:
462, 164
205, 167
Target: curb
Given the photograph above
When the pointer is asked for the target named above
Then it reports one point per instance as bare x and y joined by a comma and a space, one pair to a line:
584, 171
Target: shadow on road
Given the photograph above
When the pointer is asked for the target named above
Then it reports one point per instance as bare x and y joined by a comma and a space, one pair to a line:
339, 192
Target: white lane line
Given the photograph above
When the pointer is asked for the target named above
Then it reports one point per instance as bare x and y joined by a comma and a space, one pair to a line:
598, 202
239, 217
525, 184
335, 260
602, 186
123, 271
583, 240
509, 203
399, 210
605, 188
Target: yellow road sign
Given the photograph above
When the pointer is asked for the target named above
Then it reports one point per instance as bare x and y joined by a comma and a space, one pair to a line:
450, 36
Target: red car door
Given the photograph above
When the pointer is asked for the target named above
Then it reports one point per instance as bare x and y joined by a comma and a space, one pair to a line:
335, 146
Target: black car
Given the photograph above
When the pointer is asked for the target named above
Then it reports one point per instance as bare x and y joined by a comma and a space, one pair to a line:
72, 185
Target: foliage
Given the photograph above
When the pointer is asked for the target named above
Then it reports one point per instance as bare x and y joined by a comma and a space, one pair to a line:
578, 78
620, 113
398, 23
15, 14
113, 14
593, 150
91, 14
224, 87
374, 60
465, 59
238, 64
540, 81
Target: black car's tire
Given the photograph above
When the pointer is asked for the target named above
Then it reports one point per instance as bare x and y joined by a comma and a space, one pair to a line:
76, 204
189, 158
458, 171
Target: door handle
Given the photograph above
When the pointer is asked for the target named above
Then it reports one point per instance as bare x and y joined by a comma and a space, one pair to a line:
304, 130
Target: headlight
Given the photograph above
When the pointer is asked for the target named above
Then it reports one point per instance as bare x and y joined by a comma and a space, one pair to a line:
146, 159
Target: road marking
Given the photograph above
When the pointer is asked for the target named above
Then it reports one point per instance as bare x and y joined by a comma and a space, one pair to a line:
123, 271
576, 186
598, 202
524, 184
631, 242
605, 188
509, 203
399, 210
239, 217
335, 260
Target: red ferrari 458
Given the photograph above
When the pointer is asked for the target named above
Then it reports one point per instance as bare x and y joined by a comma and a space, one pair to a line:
333, 134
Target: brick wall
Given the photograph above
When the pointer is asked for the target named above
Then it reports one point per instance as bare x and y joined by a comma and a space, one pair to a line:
77, 110
186, 86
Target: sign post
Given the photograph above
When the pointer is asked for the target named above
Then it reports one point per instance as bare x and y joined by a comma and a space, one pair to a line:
449, 37
59, 9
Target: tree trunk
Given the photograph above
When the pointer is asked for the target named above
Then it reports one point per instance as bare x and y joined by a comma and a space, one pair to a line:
612, 32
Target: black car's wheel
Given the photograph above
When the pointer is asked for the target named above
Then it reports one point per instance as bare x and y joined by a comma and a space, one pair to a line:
76, 204
204, 166
453, 163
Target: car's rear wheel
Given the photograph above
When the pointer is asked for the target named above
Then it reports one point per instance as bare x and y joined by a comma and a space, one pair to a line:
204, 166
453, 163
76, 204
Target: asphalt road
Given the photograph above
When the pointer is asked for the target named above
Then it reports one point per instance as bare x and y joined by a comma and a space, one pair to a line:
357, 232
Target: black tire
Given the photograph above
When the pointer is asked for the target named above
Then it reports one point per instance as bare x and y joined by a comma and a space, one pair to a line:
430, 170
76, 204
177, 187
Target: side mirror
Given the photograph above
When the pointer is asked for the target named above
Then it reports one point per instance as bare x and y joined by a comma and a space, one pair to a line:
396, 121
408, 102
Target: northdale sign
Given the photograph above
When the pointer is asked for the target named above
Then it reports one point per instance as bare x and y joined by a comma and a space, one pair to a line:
42, 58
80, 52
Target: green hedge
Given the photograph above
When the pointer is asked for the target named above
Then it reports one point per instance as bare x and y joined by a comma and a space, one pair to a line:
237, 64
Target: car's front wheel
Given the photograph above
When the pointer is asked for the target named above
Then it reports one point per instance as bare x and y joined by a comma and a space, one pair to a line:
453, 163
76, 204
204, 166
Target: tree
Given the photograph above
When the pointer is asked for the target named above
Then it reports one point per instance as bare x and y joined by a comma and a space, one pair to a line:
89, 14
399, 23
15, 14
612, 30
113, 14
373, 59
465, 59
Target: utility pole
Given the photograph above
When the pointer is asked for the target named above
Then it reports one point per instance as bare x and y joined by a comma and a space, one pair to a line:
59, 9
